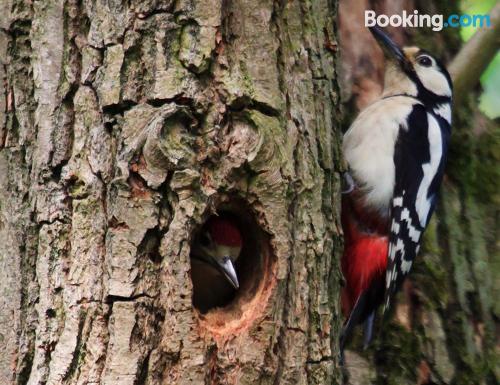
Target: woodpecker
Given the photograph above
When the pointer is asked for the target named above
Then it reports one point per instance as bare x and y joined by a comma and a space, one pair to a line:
213, 257
396, 152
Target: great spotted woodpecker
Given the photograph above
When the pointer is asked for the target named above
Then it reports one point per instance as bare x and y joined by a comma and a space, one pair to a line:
396, 152
213, 257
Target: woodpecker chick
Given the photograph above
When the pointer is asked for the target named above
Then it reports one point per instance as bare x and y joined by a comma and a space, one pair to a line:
396, 152
213, 258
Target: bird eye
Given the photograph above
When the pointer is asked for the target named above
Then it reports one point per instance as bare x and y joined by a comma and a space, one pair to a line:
424, 61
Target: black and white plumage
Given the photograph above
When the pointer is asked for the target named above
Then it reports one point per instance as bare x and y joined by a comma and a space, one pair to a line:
396, 152
420, 152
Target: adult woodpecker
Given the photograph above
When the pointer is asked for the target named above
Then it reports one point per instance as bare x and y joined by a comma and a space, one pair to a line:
213, 257
396, 152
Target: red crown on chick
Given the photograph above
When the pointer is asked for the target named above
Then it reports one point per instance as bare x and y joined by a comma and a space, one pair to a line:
224, 232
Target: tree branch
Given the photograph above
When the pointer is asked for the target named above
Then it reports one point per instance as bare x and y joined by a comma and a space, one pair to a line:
468, 65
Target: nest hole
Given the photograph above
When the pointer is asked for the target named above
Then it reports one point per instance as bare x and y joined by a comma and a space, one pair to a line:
216, 300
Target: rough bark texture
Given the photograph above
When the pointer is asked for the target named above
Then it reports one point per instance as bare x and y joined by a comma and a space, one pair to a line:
444, 327
123, 126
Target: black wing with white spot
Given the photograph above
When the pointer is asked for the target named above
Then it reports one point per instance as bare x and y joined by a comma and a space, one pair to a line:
419, 159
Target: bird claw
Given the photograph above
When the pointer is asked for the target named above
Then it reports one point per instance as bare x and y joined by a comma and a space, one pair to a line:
348, 184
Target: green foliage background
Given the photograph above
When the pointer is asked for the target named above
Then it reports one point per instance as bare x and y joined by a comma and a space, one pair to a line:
489, 101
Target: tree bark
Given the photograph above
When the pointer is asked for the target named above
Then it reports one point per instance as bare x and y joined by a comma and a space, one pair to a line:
444, 326
123, 127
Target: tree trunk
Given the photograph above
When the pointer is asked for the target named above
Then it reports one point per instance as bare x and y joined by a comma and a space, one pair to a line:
444, 326
123, 127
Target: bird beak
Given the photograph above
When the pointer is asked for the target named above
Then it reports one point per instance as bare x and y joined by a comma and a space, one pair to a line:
226, 267
391, 50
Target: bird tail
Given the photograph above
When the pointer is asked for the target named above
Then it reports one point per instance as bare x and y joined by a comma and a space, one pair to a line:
355, 317
368, 332
363, 311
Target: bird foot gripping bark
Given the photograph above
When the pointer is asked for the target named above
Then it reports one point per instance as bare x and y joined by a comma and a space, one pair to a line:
348, 183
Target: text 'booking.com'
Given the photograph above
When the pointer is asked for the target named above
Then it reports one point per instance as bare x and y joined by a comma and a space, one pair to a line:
416, 20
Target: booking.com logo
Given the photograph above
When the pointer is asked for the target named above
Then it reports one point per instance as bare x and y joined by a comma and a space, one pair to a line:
436, 22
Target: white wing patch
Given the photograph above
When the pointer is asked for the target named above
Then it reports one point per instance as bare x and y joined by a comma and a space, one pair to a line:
423, 203
388, 279
444, 110
412, 231
405, 266
391, 275
400, 246
395, 227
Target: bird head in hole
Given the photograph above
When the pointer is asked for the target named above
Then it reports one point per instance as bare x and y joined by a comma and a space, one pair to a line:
219, 246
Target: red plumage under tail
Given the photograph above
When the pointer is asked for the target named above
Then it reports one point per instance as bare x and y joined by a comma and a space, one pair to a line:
363, 264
